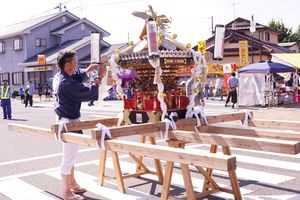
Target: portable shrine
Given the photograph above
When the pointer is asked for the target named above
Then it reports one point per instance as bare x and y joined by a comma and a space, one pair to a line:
156, 59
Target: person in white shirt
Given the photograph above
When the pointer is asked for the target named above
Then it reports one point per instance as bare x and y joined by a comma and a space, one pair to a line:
218, 87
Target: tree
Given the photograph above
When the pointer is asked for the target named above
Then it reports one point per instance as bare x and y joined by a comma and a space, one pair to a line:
296, 35
287, 34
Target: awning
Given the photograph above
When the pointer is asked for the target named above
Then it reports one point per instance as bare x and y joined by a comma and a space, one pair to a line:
292, 59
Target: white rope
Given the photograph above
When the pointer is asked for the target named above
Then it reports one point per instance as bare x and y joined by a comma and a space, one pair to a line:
247, 117
155, 63
115, 70
104, 132
120, 119
200, 68
58, 136
169, 122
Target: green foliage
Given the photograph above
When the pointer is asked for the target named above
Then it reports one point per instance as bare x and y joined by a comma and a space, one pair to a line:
287, 33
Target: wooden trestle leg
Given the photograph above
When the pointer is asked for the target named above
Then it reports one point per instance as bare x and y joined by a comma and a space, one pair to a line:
167, 180
102, 167
157, 162
206, 184
118, 172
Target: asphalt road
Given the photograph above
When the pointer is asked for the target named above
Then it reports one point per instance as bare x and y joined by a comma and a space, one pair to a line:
29, 165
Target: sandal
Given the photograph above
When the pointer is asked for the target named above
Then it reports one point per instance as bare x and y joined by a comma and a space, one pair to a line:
74, 197
78, 190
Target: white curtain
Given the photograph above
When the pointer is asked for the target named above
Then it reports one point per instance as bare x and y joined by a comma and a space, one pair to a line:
251, 89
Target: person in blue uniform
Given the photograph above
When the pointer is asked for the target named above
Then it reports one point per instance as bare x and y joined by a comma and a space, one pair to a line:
5, 100
69, 91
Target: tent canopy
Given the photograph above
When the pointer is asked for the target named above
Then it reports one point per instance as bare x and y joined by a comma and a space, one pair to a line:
287, 58
266, 67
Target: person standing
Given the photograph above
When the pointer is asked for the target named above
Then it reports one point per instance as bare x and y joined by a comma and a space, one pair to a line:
47, 92
69, 91
232, 94
40, 91
218, 87
22, 94
5, 100
206, 89
29, 93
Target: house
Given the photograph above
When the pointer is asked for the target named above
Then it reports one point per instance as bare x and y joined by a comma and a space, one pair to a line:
21, 43
260, 46
294, 46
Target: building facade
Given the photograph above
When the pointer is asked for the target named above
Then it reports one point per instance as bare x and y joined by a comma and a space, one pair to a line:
261, 44
20, 45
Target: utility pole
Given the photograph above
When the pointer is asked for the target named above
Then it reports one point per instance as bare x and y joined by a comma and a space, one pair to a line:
60, 6
212, 25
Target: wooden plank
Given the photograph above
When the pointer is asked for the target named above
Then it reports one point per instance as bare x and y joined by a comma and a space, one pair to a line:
198, 158
90, 124
276, 124
251, 132
182, 124
84, 140
261, 144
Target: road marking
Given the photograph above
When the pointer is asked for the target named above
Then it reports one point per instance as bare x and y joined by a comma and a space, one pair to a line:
17, 189
109, 190
177, 179
42, 171
249, 150
272, 197
259, 161
43, 157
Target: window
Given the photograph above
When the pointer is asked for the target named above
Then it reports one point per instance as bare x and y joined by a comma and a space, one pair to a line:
267, 36
64, 19
4, 76
261, 35
82, 27
2, 47
17, 78
18, 44
40, 42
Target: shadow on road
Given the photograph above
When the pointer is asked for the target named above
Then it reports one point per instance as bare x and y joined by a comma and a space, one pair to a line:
20, 120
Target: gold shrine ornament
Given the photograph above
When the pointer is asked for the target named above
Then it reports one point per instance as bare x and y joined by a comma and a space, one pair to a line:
174, 36
198, 79
196, 90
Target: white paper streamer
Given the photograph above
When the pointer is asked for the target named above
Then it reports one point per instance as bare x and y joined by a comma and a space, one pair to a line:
247, 117
104, 132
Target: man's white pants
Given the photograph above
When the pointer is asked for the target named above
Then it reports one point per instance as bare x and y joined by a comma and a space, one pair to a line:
69, 151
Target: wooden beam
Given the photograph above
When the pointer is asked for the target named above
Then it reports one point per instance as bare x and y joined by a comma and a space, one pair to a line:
261, 144
182, 124
183, 156
90, 124
251, 132
199, 158
276, 124
84, 140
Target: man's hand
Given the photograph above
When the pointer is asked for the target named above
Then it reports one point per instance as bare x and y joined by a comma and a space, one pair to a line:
97, 81
92, 67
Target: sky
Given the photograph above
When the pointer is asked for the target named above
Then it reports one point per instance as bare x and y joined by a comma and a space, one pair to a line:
191, 19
